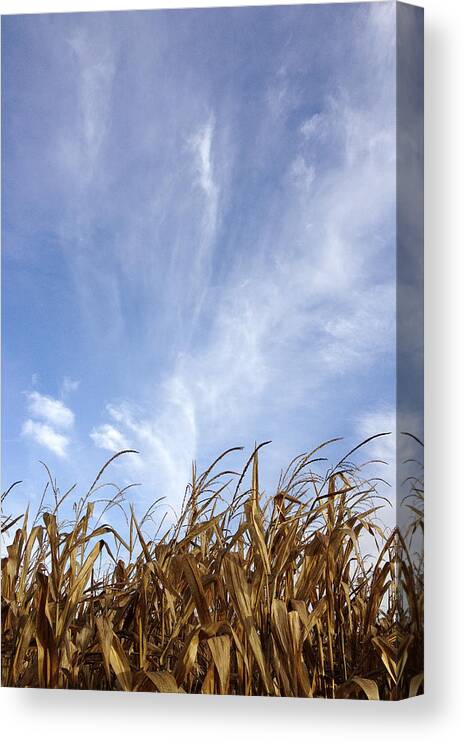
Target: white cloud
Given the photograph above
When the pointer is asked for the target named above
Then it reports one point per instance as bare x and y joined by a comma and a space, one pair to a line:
280, 96
53, 411
69, 385
302, 172
380, 420
46, 436
312, 125
109, 438
362, 334
80, 151
115, 412
167, 441
380, 455
201, 145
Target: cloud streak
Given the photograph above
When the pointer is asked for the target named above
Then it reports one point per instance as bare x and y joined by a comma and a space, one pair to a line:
53, 411
46, 436
109, 438
201, 145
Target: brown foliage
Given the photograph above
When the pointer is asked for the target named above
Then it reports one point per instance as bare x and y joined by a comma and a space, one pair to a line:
241, 596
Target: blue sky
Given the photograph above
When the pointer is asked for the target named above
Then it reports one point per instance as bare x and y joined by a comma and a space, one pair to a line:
198, 238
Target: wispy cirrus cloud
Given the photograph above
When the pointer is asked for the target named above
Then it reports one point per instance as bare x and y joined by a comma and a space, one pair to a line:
69, 385
312, 126
381, 419
166, 441
201, 145
108, 437
80, 148
53, 411
49, 423
46, 436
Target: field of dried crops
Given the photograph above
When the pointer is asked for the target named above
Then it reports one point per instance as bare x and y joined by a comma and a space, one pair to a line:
245, 594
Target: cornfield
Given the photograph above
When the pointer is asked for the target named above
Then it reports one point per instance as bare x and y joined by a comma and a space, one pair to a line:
244, 594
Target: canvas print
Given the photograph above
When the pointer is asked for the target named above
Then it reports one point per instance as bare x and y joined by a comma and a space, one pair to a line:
212, 351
